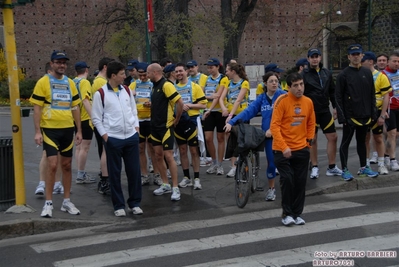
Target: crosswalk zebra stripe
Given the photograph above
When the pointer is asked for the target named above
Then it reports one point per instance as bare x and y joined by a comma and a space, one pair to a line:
306, 254
168, 249
181, 226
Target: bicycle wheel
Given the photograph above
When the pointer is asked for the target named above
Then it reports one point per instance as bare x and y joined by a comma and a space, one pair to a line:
254, 170
243, 183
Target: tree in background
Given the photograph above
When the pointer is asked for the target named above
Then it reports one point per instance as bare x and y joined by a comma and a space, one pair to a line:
234, 24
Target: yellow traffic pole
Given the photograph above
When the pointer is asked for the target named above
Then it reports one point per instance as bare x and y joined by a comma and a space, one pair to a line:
12, 67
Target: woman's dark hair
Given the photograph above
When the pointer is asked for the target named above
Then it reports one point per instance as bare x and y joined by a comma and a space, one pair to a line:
266, 77
239, 69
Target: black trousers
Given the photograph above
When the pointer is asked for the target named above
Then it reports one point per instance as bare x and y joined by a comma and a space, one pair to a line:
293, 177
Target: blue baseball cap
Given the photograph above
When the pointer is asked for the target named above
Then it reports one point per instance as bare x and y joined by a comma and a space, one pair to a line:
59, 55
301, 62
169, 68
369, 55
81, 65
191, 63
355, 48
313, 51
131, 64
141, 67
213, 62
273, 67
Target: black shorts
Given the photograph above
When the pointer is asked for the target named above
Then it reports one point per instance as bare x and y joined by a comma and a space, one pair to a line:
186, 133
393, 121
145, 131
214, 119
87, 130
163, 137
377, 129
325, 122
58, 140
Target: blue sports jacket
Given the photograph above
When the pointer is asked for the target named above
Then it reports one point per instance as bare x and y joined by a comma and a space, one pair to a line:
262, 105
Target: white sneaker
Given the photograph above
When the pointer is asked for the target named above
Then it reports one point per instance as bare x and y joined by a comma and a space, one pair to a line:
197, 185
314, 173
212, 169
85, 179
299, 221
387, 162
176, 194
151, 168
219, 170
185, 182
382, 170
277, 172
40, 189
232, 172
145, 180
334, 171
374, 158
137, 211
288, 220
163, 189
47, 211
58, 188
157, 179
69, 207
120, 213
168, 174
204, 162
394, 165
270, 194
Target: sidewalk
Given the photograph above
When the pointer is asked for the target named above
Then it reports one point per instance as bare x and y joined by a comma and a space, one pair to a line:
96, 209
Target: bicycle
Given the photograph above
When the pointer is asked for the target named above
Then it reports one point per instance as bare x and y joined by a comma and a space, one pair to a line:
245, 181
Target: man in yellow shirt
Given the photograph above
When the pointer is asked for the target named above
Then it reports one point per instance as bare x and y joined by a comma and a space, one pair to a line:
56, 107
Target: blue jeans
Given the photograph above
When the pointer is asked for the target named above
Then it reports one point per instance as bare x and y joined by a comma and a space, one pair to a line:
128, 149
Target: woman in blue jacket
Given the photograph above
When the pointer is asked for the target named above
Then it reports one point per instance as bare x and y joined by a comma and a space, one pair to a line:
264, 104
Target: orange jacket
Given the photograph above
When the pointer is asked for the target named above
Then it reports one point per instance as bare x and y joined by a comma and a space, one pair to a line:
293, 122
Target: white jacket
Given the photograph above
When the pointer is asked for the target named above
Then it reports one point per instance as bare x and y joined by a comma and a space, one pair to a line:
118, 116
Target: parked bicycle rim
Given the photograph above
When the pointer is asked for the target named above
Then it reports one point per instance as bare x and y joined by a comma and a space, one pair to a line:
243, 182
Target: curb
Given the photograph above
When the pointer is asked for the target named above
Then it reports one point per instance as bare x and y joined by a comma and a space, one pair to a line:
356, 184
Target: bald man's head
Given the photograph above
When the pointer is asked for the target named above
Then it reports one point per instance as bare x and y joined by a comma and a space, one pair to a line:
154, 72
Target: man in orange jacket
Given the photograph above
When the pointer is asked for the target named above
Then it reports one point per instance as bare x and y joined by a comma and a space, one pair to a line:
292, 128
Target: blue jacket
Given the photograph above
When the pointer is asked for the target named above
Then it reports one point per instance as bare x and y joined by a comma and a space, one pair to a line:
261, 104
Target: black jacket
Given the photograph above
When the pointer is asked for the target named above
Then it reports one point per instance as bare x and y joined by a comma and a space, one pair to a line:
244, 137
321, 89
355, 95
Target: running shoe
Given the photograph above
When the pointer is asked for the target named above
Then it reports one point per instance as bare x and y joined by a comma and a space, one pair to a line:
232, 172
197, 185
334, 171
314, 174
394, 165
382, 170
175, 194
47, 210
270, 194
163, 189
137, 211
212, 169
58, 188
346, 175
288, 220
299, 221
366, 171
69, 207
40, 189
185, 182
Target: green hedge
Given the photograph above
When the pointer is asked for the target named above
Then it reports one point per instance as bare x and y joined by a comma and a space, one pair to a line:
25, 89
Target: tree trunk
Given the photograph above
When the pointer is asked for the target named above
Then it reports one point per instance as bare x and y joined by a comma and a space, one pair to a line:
233, 39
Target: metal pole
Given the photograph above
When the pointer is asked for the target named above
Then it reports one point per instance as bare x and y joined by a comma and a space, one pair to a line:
147, 35
12, 67
369, 25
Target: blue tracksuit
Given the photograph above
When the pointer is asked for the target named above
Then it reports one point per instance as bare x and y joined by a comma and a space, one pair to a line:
264, 105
